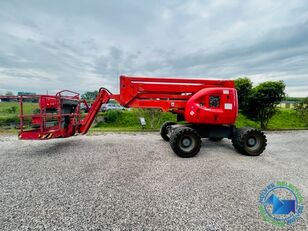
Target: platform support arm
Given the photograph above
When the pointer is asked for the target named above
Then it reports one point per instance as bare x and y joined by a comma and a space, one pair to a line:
102, 98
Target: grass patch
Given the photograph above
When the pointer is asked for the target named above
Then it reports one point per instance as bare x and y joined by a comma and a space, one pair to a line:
9, 111
9, 108
283, 119
286, 119
243, 121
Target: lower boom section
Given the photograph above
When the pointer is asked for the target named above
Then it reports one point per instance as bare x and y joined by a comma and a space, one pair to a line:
185, 139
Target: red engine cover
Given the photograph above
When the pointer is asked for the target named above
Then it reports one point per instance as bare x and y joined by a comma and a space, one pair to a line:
212, 106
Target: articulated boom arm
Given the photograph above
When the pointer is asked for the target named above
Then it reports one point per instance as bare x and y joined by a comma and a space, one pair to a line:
168, 94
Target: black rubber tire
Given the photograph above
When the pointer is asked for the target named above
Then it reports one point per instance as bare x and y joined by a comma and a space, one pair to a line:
250, 141
215, 139
185, 142
164, 130
237, 137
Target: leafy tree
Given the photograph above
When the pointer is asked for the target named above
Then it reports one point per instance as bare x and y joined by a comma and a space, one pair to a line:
301, 109
263, 101
89, 95
243, 87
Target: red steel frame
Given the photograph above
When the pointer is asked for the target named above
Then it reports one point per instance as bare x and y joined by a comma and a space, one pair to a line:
41, 119
168, 94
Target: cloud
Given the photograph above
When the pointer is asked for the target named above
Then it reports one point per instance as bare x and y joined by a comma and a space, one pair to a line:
51, 45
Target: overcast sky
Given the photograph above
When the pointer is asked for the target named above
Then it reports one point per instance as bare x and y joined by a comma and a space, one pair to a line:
83, 45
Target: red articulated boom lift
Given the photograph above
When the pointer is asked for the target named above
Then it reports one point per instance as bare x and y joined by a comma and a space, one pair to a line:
208, 107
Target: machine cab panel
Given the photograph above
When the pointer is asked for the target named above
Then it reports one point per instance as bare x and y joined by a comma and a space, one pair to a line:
212, 106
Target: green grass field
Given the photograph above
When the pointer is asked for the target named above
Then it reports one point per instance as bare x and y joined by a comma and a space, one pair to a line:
7, 107
283, 119
9, 112
129, 120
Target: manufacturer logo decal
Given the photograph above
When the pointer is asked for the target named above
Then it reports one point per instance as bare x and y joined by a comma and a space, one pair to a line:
281, 204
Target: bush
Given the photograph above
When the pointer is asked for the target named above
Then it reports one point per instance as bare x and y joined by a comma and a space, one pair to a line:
263, 101
5, 120
302, 110
130, 119
112, 116
153, 117
12, 110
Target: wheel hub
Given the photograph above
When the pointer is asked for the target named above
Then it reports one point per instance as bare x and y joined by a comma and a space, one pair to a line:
251, 141
186, 142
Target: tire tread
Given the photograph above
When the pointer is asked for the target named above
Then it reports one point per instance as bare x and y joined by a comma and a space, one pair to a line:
174, 145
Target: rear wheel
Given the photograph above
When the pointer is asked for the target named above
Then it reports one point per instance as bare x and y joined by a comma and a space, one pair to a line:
237, 137
249, 141
165, 130
185, 142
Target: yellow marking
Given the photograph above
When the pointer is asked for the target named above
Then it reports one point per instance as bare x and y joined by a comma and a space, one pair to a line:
46, 136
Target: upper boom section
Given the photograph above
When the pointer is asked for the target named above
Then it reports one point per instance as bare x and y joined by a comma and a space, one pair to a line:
169, 94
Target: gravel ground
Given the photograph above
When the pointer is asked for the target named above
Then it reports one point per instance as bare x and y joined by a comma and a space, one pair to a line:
135, 182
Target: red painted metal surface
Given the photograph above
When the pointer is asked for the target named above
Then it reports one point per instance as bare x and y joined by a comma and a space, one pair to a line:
102, 97
59, 115
200, 111
168, 94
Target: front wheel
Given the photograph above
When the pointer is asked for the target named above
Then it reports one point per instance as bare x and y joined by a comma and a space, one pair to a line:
165, 130
185, 142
